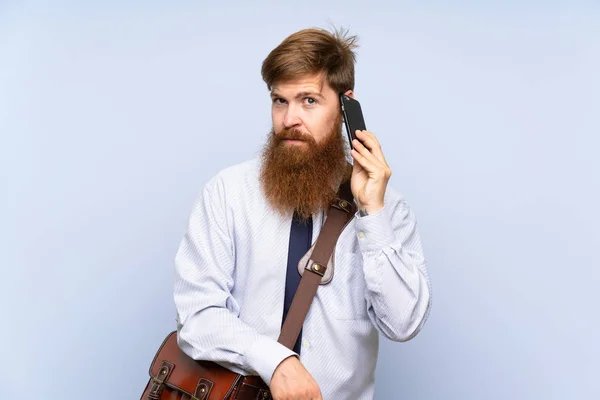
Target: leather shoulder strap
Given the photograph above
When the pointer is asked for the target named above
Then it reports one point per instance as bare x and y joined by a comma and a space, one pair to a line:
341, 211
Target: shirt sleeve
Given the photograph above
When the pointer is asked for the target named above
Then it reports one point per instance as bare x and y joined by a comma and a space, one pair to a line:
209, 327
398, 289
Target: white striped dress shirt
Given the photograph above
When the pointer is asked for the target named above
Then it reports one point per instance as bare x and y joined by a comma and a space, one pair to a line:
230, 280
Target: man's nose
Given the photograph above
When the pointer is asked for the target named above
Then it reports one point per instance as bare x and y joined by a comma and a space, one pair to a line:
291, 118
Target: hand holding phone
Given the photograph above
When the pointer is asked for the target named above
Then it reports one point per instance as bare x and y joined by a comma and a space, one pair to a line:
370, 172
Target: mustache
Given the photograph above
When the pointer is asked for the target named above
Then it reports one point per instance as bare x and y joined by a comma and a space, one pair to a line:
293, 134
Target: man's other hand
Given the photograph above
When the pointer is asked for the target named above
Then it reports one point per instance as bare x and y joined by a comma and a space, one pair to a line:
291, 381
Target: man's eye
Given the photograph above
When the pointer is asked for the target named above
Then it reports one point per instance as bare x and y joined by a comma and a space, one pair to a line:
310, 100
278, 100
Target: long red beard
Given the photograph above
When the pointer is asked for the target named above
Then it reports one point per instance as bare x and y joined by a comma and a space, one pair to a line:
305, 177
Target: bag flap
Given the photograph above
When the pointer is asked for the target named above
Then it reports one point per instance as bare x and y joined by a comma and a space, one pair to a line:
187, 375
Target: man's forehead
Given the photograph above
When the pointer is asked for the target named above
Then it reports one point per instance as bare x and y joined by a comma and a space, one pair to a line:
312, 83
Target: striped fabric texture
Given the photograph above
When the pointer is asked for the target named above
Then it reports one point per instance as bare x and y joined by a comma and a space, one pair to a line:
230, 272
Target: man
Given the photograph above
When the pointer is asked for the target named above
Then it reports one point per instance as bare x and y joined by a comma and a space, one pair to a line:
231, 271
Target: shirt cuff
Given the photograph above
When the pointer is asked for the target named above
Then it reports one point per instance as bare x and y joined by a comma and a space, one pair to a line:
374, 231
265, 355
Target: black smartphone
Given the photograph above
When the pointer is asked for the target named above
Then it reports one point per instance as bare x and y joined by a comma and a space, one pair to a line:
353, 117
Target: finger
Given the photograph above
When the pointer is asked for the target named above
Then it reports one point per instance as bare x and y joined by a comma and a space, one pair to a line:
362, 150
356, 167
372, 164
364, 162
370, 141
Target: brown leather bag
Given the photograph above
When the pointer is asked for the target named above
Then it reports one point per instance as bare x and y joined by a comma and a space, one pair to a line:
176, 376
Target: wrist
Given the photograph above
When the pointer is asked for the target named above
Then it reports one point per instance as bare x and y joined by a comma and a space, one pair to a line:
284, 363
365, 210
285, 368
265, 355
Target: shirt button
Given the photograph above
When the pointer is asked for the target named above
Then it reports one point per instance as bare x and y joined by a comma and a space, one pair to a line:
361, 234
305, 344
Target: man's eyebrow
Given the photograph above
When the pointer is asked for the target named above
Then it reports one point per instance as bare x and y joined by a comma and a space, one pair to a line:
306, 93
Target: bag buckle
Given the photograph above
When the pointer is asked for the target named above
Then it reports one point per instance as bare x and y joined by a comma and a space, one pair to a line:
158, 381
343, 205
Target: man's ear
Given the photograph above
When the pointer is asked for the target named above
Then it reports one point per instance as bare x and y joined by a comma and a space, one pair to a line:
349, 93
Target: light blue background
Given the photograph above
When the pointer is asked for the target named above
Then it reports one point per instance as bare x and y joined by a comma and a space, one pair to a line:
113, 116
